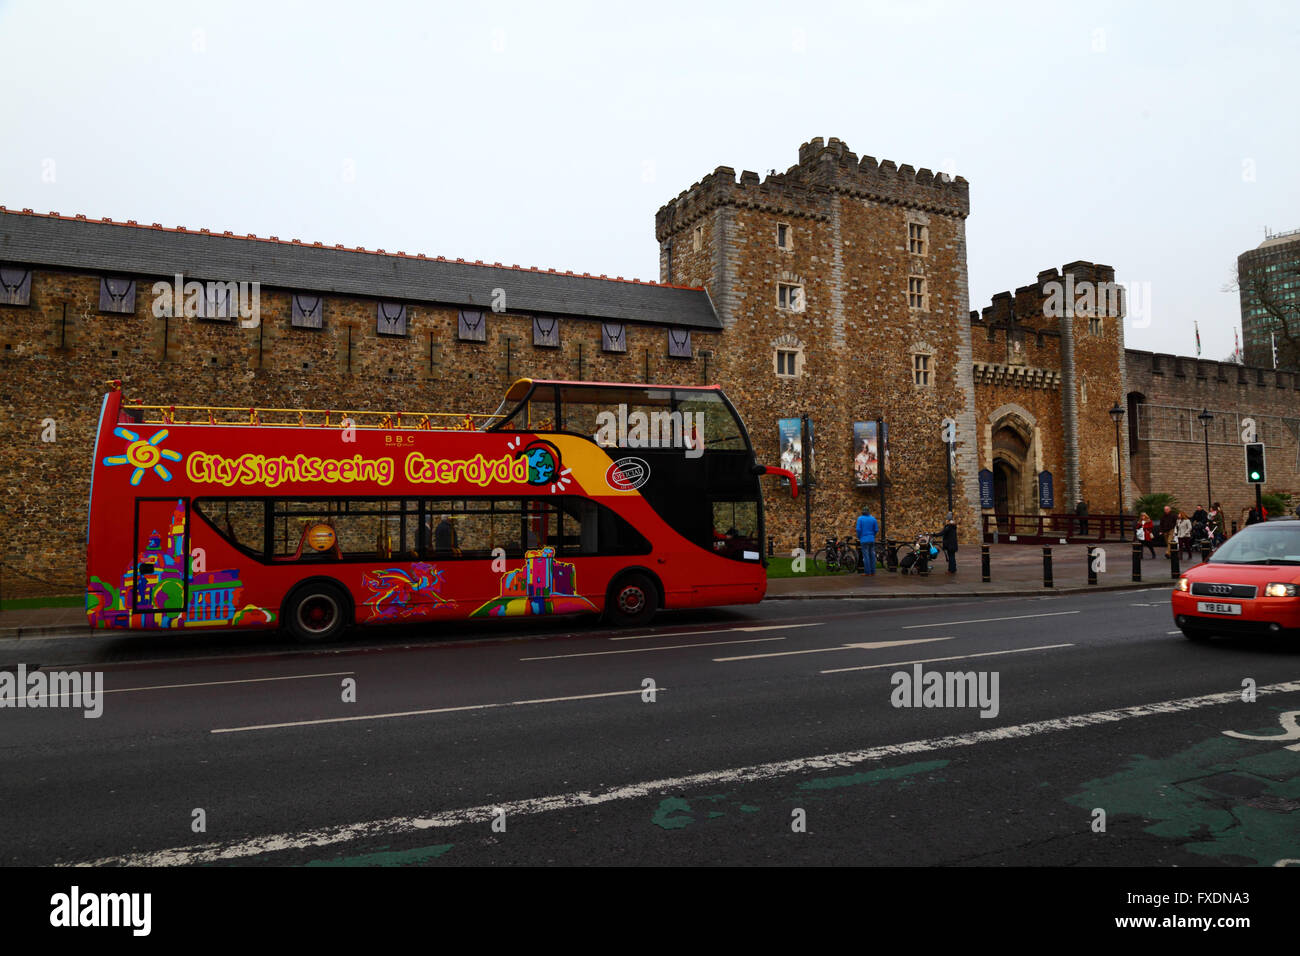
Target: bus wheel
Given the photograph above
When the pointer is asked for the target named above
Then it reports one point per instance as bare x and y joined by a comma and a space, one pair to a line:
317, 612
632, 601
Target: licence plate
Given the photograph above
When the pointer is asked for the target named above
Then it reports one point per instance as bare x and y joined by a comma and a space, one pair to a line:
1213, 607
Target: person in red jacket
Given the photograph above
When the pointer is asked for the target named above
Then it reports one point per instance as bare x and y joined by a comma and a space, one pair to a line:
1146, 532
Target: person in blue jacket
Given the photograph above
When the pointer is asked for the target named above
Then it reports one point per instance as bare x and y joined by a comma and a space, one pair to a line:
866, 532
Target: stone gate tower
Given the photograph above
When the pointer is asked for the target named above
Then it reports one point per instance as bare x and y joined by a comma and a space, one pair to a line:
841, 285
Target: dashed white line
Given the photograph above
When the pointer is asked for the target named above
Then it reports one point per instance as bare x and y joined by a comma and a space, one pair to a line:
720, 630
644, 650
986, 620
959, 657
842, 647
433, 710
392, 826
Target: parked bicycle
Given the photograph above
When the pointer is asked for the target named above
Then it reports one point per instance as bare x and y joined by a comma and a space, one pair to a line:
837, 555
915, 558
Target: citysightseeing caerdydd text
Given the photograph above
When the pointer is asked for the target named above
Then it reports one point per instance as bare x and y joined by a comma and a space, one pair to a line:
571, 498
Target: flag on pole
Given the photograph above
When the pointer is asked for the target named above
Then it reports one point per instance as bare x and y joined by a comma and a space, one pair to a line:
1196, 325
1273, 339
1236, 345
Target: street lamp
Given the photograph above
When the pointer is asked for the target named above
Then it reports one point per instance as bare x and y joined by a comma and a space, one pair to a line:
1116, 416
1205, 418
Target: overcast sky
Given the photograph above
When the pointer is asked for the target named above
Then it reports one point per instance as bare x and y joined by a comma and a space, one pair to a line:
1159, 138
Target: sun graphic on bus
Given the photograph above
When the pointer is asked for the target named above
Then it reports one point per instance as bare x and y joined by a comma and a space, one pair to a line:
144, 455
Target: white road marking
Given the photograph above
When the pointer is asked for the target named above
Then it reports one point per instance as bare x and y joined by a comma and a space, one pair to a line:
216, 683
209, 683
986, 620
643, 650
842, 647
1173, 632
959, 657
435, 710
720, 630
392, 826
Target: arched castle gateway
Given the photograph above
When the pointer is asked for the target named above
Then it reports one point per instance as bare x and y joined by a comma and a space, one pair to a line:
837, 288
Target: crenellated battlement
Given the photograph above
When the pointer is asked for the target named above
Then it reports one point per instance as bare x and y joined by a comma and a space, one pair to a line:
825, 169
1028, 308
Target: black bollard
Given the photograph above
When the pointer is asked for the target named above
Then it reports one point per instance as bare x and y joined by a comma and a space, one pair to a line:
1205, 551
1047, 567
1092, 571
1137, 560
771, 546
1174, 571
801, 547
891, 555
984, 564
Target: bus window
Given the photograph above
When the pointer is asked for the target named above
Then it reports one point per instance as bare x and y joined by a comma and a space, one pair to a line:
241, 521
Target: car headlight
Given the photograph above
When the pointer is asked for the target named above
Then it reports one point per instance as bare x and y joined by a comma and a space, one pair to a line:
1281, 590
1184, 585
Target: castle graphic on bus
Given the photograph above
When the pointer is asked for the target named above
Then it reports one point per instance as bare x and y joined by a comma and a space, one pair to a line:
158, 578
542, 586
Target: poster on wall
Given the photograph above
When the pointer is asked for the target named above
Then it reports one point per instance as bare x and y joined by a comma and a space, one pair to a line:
867, 454
791, 443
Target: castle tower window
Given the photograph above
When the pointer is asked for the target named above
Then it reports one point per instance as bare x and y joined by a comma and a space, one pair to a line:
918, 238
916, 295
546, 332
307, 312
921, 370
613, 337
784, 237
15, 286
217, 303
117, 295
697, 238
679, 343
1094, 325
789, 296
471, 326
390, 318
787, 363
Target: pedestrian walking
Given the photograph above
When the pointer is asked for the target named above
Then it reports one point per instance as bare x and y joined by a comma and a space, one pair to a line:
866, 528
1146, 532
1168, 521
1081, 512
949, 543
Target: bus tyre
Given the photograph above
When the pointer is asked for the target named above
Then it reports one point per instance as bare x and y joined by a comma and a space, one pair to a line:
317, 612
632, 601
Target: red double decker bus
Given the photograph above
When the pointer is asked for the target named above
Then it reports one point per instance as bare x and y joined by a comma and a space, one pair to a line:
571, 498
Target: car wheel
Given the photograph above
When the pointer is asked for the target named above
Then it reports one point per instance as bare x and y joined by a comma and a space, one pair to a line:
632, 600
317, 612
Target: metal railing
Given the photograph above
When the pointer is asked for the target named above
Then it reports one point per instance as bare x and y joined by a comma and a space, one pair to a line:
1054, 529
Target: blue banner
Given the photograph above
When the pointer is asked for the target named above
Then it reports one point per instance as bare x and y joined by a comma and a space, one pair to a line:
986, 488
1046, 495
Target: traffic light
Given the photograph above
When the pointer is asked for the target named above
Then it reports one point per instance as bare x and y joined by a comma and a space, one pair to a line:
1255, 463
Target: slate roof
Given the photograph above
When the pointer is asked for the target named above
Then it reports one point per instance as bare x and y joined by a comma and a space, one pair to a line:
103, 246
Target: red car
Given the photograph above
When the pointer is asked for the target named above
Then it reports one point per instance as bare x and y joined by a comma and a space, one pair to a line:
1251, 585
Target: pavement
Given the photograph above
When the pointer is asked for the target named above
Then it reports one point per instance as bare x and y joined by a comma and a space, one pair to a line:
1015, 570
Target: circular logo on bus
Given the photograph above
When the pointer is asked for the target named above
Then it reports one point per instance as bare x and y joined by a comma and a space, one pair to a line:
627, 474
321, 537
543, 462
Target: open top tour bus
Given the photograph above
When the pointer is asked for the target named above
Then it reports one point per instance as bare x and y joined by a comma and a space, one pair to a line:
574, 497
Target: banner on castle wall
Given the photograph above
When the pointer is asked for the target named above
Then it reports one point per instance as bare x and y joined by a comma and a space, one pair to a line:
790, 436
869, 451
1046, 494
986, 488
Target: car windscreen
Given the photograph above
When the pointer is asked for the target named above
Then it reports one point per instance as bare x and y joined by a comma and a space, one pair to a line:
1262, 544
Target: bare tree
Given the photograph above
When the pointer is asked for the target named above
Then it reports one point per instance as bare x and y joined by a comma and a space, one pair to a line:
1257, 287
